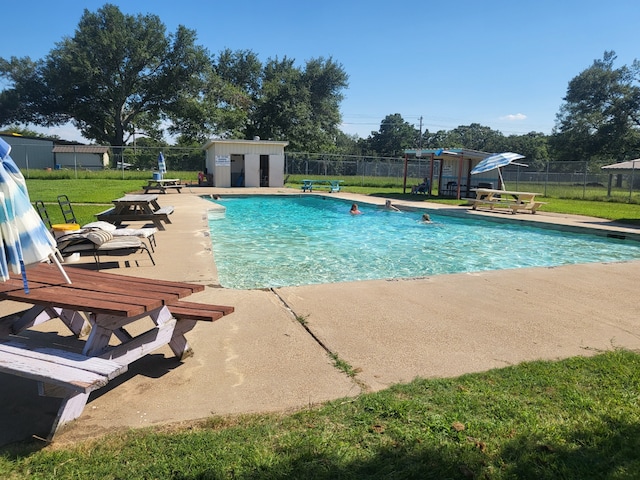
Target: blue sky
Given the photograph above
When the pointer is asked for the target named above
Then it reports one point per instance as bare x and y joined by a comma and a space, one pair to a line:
502, 63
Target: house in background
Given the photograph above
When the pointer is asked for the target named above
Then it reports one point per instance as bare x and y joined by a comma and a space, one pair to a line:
41, 153
30, 152
245, 163
88, 157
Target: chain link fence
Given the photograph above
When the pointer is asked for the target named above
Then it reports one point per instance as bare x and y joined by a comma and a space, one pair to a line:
579, 179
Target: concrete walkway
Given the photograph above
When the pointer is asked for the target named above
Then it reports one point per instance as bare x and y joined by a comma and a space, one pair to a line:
262, 359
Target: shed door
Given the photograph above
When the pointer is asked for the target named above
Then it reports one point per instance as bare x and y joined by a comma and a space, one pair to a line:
264, 170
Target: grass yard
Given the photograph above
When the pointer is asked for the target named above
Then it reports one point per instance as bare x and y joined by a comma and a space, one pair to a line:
94, 192
572, 419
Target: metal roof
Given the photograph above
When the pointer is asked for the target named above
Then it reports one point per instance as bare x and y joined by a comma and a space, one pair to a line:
80, 149
623, 167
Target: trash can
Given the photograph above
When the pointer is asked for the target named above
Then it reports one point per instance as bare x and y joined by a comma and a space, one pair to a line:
157, 176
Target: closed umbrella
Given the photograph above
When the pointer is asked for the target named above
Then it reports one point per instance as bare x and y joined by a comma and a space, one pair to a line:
496, 161
24, 238
162, 166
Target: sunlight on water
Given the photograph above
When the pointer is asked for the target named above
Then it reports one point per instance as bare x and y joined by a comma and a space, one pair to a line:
275, 241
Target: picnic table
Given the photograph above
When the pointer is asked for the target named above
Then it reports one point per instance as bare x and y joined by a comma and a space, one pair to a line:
505, 198
101, 305
162, 185
332, 185
144, 207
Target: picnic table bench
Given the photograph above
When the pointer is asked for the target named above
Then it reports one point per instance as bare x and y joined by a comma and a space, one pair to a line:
504, 198
133, 208
101, 305
331, 185
162, 185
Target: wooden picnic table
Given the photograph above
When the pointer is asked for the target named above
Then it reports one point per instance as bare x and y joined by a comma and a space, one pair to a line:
162, 185
144, 207
101, 305
505, 198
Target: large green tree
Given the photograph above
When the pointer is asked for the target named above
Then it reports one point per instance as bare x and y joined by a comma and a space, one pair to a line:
117, 76
300, 105
475, 137
227, 101
394, 137
600, 117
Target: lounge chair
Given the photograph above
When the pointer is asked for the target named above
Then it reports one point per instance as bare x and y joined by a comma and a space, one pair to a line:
94, 241
147, 233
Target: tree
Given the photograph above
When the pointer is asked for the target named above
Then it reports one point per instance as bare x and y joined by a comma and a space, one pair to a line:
533, 145
227, 100
394, 137
25, 132
600, 116
299, 105
475, 137
119, 75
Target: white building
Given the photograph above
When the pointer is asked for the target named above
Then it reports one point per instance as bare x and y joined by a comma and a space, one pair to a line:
93, 157
245, 163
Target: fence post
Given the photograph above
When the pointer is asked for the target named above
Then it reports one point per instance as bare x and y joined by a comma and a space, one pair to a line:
546, 179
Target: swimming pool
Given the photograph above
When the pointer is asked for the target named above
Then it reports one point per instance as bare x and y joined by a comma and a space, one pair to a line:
276, 241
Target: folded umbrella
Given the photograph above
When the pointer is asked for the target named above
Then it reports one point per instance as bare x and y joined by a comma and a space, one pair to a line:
24, 238
162, 166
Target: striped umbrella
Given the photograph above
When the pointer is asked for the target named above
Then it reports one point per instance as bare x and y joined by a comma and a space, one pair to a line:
496, 161
162, 166
24, 238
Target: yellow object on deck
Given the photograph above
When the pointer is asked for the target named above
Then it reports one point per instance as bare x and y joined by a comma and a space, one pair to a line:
60, 229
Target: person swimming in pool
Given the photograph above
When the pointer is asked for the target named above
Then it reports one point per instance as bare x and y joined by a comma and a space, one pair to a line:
388, 206
354, 209
425, 218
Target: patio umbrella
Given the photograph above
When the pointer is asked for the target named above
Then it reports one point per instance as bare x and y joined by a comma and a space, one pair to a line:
496, 161
162, 166
24, 238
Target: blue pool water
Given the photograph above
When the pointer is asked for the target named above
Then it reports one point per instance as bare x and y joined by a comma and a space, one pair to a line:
274, 241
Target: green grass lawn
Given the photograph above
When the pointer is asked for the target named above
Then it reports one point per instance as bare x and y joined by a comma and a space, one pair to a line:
573, 419
98, 192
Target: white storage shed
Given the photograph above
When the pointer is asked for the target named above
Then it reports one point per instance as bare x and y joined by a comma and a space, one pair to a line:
92, 157
245, 163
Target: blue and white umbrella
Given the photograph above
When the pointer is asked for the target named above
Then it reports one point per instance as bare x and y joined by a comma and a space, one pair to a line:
496, 161
162, 166
24, 238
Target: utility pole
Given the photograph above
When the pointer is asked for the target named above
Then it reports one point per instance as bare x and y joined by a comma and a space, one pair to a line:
419, 151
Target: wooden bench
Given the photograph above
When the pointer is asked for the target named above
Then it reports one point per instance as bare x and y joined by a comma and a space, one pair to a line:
331, 185
100, 307
59, 373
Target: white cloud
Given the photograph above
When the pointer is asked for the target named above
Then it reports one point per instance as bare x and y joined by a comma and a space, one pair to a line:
514, 118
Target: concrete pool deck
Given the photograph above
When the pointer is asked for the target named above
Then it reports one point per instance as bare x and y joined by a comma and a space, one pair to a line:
262, 359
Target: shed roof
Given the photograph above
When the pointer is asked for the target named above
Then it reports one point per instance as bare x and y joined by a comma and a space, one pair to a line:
623, 167
245, 142
80, 149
